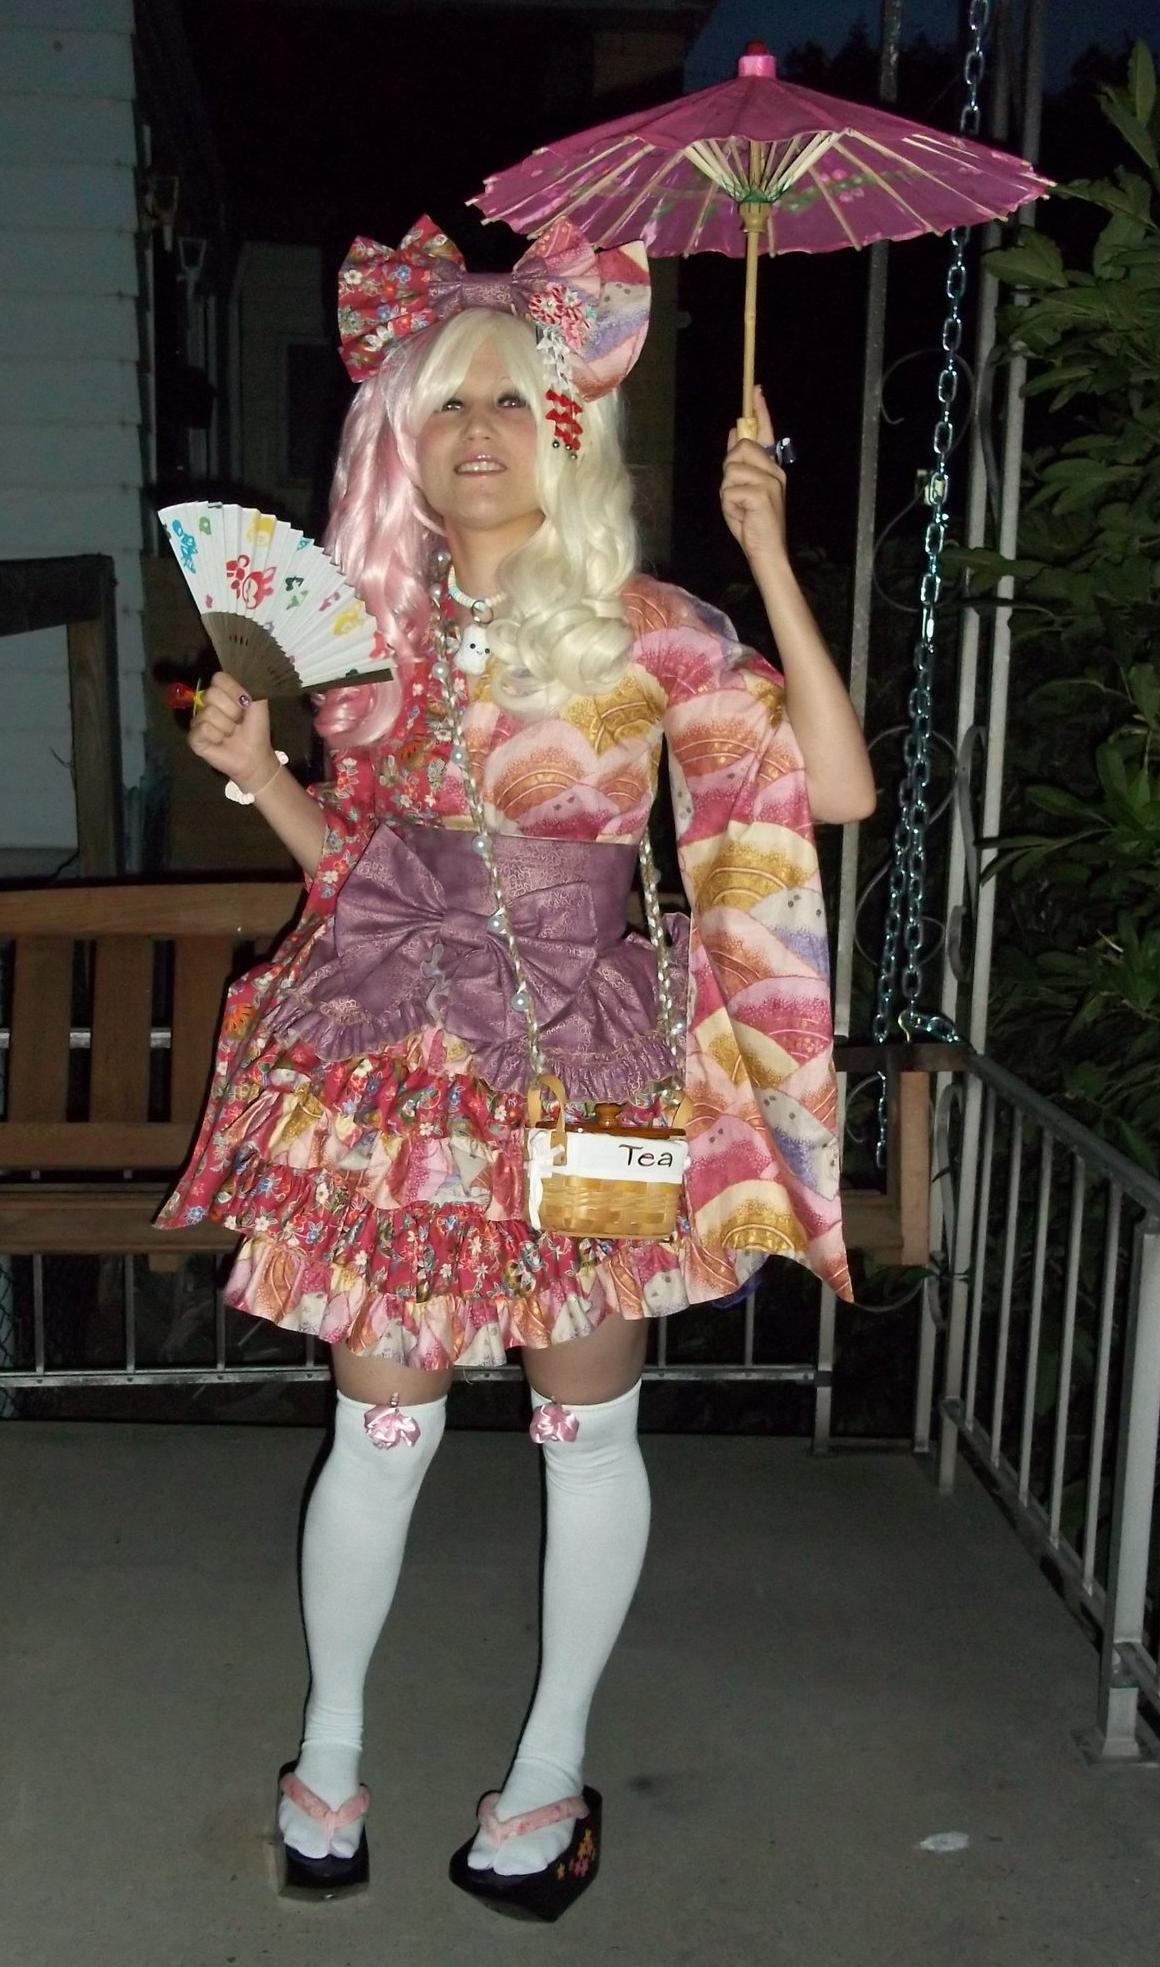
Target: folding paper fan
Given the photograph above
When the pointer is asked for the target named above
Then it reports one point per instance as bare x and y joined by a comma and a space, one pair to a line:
280, 616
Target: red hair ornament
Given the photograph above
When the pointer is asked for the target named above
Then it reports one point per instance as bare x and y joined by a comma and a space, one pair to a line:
564, 415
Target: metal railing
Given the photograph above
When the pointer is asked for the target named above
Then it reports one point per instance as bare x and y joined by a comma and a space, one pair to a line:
141, 1343
299, 1360
1051, 1361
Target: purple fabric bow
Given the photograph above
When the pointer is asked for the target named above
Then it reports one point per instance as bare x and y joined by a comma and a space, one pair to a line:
411, 944
452, 288
554, 1423
388, 1428
406, 955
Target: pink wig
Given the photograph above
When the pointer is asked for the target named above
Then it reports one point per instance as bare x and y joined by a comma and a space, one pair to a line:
380, 533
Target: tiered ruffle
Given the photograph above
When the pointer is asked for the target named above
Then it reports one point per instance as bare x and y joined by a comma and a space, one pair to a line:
381, 1203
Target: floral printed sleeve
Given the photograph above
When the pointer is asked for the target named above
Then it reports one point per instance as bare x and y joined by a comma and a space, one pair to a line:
348, 803
764, 1151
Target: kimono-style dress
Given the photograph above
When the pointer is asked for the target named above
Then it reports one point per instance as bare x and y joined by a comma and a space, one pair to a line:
365, 1125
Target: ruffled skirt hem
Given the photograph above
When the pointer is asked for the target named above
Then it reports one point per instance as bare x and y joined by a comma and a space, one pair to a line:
296, 1294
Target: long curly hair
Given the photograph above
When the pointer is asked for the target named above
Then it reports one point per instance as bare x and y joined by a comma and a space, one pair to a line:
562, 632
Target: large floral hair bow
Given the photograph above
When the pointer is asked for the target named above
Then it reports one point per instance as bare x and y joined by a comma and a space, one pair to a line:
592, 307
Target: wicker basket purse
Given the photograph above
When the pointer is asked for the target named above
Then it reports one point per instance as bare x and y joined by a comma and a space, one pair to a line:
596, 1178
585, 1178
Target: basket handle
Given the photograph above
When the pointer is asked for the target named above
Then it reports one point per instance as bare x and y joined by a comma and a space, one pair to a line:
682, 1114
554, 1086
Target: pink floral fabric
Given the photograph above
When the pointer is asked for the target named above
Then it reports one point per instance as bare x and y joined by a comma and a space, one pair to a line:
380, 1199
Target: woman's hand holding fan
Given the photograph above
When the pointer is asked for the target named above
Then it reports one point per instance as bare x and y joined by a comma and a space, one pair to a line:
231, 731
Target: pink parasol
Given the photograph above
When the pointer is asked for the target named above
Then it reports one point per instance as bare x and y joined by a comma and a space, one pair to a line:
755, 160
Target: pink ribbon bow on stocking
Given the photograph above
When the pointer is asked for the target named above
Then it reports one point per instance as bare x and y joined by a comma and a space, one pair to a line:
387, 1427
554, 1423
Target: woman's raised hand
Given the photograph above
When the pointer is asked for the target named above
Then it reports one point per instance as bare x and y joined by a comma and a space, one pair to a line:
753, 492
231, 732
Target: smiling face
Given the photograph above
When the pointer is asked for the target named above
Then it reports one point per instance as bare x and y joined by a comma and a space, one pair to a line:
476, 457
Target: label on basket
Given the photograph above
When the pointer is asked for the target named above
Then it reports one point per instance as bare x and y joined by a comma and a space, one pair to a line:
602, 1158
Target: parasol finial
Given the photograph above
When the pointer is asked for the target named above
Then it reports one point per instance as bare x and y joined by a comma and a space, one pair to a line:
757, 60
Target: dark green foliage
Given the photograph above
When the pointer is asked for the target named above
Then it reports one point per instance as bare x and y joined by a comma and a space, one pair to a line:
1077, 986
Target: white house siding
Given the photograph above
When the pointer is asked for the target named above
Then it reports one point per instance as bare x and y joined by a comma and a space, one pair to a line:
70, 367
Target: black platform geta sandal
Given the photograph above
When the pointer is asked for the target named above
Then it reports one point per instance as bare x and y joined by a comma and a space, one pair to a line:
536, 1894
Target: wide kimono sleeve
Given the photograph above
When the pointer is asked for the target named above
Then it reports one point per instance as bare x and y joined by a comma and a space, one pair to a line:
764, 1152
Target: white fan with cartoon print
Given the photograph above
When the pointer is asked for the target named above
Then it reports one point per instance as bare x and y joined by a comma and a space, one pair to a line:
280, 616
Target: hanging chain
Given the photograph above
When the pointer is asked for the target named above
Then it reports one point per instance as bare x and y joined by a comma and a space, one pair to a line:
906, 895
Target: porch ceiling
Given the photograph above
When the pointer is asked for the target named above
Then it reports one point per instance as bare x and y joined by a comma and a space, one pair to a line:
827, 1663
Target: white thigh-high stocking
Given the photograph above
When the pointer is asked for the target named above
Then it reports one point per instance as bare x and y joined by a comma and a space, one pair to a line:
598, 1518
352, 1551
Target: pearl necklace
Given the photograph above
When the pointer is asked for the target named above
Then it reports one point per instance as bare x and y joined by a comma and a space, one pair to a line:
481, 607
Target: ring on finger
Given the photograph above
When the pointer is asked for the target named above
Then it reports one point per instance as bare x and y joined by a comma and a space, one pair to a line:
783, 452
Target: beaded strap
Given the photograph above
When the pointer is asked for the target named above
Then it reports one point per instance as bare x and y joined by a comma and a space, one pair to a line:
670, 1025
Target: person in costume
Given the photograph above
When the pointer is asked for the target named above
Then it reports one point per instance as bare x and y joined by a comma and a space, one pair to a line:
468, 868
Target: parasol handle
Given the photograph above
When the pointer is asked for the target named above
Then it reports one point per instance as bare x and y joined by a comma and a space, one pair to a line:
753, 216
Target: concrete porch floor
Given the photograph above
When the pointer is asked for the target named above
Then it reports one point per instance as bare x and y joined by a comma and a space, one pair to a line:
826, 1664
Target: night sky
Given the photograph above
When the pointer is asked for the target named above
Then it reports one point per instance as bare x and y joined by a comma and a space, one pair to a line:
1072, 26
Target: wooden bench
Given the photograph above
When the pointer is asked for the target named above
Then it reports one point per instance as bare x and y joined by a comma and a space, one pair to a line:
123, 962
120, 961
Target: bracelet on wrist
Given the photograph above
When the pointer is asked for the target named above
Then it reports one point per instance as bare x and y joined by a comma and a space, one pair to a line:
240, 798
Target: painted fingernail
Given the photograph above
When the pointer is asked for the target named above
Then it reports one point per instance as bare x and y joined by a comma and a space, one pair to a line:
244, 700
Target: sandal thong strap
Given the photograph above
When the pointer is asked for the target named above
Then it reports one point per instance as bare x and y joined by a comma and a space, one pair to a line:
304, 1799
501, 1828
